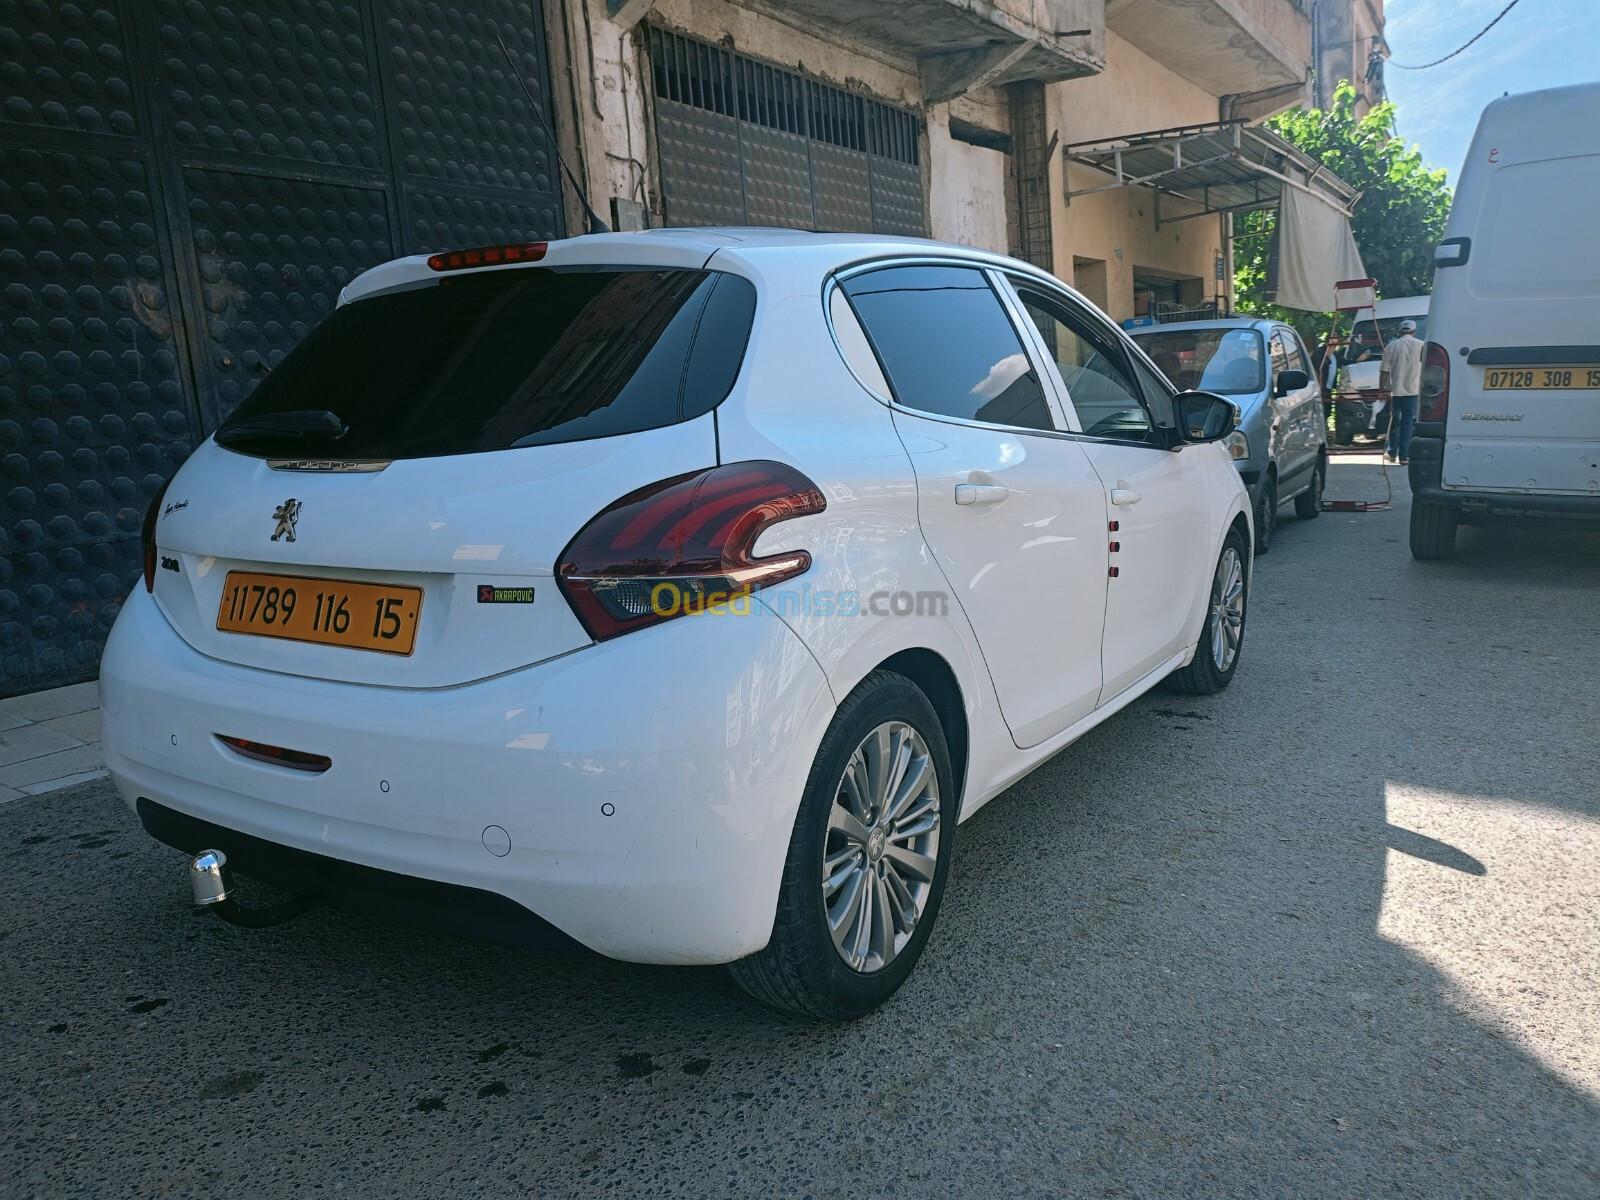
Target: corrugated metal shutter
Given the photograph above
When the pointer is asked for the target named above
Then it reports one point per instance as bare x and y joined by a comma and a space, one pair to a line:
745, 143
184, 189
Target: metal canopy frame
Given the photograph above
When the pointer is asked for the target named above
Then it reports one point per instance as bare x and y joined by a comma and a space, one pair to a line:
1224, 167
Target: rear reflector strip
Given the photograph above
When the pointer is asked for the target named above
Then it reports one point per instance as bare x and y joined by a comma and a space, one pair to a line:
488, 256
297, 760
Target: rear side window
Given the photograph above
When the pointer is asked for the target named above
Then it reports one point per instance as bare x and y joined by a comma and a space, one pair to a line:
947, 345
506, 359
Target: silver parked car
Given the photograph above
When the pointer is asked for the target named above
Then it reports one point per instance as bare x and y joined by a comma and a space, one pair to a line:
1281, 445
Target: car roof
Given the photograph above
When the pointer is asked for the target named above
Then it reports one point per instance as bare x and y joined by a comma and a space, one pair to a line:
693, 248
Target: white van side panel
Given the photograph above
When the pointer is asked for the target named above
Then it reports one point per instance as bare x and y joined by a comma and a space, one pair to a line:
1525, 307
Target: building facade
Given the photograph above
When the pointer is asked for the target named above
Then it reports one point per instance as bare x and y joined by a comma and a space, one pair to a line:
185, 187
1348, 43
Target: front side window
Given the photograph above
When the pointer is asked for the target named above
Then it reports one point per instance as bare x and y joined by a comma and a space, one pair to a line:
504, 359
947, 345
1228, 362
1104, 395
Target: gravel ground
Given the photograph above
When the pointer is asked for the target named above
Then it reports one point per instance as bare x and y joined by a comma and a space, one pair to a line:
1332, 933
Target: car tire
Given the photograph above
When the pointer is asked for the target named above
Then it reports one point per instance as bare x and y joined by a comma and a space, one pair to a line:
1308, 504
1211, 670
1266, 514
1433, 530
830, 956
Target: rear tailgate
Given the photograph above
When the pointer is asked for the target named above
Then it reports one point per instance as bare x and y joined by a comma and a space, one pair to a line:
465, 546
389, 504
1521, 323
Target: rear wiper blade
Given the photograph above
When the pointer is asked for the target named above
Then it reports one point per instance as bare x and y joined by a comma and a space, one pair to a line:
307, 423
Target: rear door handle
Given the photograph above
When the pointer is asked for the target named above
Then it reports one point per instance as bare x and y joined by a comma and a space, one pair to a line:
1125, 496
981, 493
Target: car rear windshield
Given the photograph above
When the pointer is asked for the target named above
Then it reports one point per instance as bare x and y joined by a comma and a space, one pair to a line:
1228, 361
500, 360
1365, 335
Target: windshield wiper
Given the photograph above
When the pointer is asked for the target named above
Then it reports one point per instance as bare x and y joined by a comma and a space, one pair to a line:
297, 424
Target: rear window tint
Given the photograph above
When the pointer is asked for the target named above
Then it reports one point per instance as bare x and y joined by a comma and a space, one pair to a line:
506, 359
947, 345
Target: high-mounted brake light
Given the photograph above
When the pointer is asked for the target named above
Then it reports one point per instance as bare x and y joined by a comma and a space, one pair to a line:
147, 536
683, 545
1435, 402
488, 256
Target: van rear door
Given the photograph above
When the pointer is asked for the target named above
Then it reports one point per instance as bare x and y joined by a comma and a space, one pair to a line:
1520, 318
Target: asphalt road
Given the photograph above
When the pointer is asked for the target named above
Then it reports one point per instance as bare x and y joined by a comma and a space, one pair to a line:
1333, 933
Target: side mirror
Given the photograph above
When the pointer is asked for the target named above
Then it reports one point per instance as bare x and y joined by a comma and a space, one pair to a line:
1291, 381
1203, 417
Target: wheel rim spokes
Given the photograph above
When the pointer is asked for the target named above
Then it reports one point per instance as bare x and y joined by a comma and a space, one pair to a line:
882, 846
1227, 609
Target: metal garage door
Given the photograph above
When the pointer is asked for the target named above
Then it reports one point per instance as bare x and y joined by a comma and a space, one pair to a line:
184, 188
744, 143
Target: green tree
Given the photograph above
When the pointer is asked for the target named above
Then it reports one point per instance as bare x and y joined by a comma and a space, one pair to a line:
1397, 221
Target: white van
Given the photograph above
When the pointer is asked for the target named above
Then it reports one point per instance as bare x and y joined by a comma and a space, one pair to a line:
1510, 407
1363, 357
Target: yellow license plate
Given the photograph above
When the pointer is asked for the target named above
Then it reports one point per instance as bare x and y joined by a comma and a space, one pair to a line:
332, 612
1559, 379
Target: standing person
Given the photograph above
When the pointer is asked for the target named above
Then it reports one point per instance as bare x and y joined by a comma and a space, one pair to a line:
1327, 376
1401, 377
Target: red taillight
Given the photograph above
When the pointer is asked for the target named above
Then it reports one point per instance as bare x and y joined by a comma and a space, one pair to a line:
1435, 401
277, 755
488, 256
147, 537
684, 545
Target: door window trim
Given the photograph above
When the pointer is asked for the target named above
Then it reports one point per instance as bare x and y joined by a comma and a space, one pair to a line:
1052, 371
994, 277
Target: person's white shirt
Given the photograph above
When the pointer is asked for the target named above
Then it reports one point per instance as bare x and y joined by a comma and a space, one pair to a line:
1402, 366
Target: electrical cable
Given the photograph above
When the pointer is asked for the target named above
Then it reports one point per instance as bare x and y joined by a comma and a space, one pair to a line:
1453, 53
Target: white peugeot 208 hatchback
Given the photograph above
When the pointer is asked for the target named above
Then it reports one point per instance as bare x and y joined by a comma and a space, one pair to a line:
677, 592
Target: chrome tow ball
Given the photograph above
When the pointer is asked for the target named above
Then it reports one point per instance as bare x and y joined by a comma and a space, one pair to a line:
212, 887
209, 878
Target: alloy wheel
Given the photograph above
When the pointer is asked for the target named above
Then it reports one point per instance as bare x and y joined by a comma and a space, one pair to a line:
1227, 609
882, 847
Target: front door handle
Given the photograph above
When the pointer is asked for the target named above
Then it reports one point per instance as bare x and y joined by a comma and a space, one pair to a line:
1125, 496
981, 493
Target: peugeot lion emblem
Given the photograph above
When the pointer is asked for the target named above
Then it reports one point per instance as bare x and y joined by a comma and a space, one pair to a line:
286, 514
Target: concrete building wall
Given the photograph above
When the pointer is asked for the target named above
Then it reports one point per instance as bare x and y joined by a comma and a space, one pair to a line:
611, 95
1103, 239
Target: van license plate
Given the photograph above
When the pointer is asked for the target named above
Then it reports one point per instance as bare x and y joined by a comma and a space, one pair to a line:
1505, 379
332, 612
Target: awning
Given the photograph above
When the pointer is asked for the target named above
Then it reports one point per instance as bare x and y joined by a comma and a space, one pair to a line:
1229, 167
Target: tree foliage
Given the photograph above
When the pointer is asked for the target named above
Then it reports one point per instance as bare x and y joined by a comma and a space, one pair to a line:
1397, 221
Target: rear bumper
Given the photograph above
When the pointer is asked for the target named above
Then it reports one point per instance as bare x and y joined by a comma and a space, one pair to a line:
646, 786
1426, 473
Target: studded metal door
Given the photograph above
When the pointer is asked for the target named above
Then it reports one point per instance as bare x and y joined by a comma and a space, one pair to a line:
184, 188
745, 143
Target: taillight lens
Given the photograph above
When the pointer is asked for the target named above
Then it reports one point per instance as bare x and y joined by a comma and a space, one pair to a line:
147, 537
1435, 401
684, 544
488, 256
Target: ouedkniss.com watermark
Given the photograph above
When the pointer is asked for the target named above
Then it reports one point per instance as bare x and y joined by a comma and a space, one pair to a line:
669, 600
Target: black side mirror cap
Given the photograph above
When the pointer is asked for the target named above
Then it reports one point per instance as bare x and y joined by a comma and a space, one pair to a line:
1203, 417
1291, 381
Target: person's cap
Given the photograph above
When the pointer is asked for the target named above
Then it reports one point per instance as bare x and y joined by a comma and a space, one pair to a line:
1408, 326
